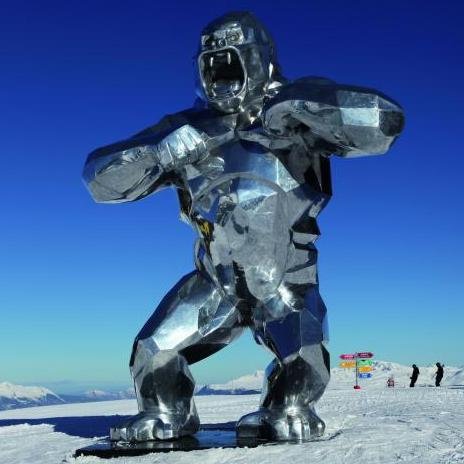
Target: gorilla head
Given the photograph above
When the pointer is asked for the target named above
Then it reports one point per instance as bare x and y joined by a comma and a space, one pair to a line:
236, 62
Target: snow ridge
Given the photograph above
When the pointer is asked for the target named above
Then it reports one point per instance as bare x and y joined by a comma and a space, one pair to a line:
18, 396
342, 378
245, 385
101, 395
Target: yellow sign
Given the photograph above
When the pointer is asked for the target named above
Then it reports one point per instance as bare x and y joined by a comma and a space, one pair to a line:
365, 369
348, 364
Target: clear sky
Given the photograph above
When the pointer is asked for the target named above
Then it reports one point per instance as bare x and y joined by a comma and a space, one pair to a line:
78, 280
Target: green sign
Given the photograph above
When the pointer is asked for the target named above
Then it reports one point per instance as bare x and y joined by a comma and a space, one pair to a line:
365, 362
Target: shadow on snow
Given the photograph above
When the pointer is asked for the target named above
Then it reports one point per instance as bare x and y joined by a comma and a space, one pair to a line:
92, 426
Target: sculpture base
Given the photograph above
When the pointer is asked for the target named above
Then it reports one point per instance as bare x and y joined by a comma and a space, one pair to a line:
206, 438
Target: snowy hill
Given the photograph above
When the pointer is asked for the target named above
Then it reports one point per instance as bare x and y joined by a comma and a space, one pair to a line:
17, 396
101, 395
344, 378
340, 378
247, 384
457, 378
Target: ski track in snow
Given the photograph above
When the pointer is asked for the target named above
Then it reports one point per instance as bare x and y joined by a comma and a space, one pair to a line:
377, 425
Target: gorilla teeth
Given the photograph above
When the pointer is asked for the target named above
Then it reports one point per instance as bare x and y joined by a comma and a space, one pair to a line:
223, 73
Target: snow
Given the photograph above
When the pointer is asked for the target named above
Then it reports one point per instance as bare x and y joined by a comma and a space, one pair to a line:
100, 395
37, 444
341, 378
344, 378
95, 393
424, 425
246, 384
16, 396
9, 390
374, 425
457, 378
100, 408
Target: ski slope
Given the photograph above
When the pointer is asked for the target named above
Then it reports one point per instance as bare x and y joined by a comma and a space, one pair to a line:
375, 425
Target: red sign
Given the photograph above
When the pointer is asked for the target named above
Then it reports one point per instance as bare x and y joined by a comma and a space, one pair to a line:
365, 355
348, 356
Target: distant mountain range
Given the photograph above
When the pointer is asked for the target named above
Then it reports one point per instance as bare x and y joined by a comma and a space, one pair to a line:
99, 395
245, 385
344, 378
17, 396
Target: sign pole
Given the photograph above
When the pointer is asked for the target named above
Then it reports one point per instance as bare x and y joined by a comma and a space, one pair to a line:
361, 363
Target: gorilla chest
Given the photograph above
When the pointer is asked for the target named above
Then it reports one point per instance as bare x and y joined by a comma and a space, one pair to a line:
242, 175
246, 187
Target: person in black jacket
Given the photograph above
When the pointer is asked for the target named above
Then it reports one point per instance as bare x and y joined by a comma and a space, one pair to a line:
414, 376
438, 374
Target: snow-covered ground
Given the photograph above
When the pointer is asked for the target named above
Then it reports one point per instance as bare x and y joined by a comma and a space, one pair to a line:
374, 425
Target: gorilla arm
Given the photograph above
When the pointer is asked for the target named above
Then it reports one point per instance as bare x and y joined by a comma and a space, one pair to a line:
134, 168
345, 120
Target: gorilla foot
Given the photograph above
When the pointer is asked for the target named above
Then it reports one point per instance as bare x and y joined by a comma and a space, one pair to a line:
282, 425
147, 426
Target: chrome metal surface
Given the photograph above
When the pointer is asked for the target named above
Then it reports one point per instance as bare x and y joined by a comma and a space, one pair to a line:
251, 165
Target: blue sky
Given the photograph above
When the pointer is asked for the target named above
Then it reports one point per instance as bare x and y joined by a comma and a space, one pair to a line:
78, 280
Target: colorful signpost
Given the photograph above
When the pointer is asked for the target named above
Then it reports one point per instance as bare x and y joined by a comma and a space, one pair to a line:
364, 368
365, 362
348, 364
348, 356
361, 362
365, 354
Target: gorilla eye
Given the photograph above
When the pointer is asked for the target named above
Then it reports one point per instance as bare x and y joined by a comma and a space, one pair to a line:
208, 41
233, 37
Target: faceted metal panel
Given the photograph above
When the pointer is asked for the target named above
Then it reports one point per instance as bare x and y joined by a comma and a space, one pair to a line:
251, 165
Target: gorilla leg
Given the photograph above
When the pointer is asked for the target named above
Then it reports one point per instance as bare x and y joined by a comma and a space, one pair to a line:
298, 375
192, 322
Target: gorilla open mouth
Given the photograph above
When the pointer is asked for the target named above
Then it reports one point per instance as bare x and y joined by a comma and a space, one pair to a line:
222, 73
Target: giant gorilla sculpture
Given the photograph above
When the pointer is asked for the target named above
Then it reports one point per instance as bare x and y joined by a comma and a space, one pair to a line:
251, 165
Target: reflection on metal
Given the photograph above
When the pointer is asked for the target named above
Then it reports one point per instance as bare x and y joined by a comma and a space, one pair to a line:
250, 162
